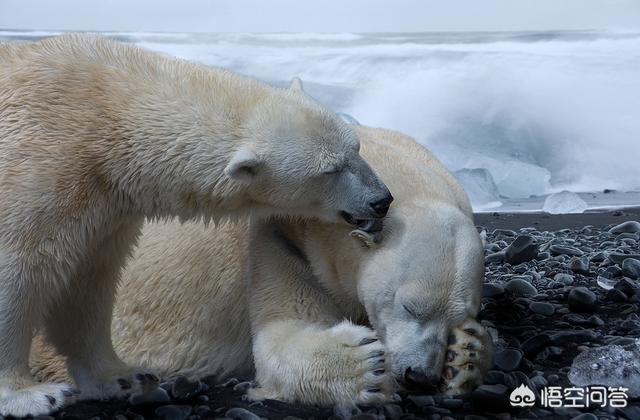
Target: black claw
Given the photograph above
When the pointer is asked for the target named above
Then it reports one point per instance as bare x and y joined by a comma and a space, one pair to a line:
376, 354
470, 331
367, 340
124, 384
52, 401
67, 394
378, 372
152, 377
379, 362
373, 390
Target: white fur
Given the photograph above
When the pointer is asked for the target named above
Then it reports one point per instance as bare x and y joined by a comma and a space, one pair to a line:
322, 320
98, 135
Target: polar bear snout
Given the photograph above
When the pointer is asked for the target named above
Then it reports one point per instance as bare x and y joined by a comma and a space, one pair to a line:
381, 207
417, 378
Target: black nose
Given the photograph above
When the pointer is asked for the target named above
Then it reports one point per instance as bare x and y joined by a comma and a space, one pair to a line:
381, 207
416, 378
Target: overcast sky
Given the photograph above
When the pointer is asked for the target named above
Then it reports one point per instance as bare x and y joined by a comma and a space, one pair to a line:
319, 15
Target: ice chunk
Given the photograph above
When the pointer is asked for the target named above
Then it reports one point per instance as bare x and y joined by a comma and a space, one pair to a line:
521, 180
612, 365
564, 202
479, 186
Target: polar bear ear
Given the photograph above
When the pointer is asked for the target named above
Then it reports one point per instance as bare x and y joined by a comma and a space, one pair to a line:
243, 165
296, 85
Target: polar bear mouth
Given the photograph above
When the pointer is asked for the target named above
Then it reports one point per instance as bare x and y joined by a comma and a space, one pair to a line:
366, 225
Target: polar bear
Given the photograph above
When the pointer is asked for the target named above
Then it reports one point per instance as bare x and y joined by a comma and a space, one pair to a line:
327, 317
98, 135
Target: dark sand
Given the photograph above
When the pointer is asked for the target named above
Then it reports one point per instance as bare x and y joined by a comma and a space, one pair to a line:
544, 221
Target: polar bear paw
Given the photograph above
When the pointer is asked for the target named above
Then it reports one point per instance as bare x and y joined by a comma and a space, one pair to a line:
118, 383
469, 356
36, 400
342, 365
366, 378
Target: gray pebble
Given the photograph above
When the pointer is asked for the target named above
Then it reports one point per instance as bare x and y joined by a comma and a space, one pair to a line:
492, 289
521, 287
615, 295
564, 278
523, 248
173, 412
585, 416
618, 257
565, 250
507, 359
579, 265
392, 411
422, 400
241, 414
581, 299
493, 377
542, 308
364, 416
626, 286
490, 395
183, 388
629, 227
631, 268
494, 258
158, 395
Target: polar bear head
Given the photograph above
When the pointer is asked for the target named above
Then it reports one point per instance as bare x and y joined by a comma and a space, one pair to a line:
304, 160
423, 281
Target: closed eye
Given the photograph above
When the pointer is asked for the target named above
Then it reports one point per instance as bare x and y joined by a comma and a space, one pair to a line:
331, 171
412, 312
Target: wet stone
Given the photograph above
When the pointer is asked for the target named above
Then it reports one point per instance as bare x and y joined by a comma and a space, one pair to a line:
542, 308
579, 266
158, 395
631, 226
241, 414
631, 268
508, 359
564, 278
183, 388
565, 250
523, 248
490, 290
173, 412
581, 299
521, 287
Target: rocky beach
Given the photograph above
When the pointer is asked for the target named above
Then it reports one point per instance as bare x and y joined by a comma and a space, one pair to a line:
559, 290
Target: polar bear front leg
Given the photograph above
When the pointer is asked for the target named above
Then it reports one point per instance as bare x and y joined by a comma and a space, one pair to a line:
79, 326
318, 364
469, 357
20, 394
80, 329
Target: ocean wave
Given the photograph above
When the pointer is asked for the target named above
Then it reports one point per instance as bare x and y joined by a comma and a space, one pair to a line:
538, 112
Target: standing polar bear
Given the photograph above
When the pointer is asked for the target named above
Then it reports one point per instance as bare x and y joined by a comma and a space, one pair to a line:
328, 317
96, 136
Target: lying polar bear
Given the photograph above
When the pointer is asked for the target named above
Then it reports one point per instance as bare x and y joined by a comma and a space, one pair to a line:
327, 317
